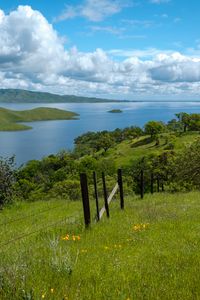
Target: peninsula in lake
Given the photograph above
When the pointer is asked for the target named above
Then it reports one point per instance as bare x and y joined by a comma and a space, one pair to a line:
24, 96
10, 119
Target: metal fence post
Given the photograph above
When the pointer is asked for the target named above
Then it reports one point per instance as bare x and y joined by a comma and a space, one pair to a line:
142, 184
85, 199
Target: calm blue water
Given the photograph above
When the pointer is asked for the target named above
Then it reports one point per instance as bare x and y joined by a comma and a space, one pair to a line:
52, 136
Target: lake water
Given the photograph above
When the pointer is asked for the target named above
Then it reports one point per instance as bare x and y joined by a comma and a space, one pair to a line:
49, 137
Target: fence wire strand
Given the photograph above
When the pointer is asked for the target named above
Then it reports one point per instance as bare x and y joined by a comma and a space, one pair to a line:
42, 228
30, 215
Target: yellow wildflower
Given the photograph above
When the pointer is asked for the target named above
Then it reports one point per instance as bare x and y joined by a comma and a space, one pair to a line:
84, 250
52, 290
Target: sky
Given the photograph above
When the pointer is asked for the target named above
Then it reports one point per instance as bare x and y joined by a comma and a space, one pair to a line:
119, 49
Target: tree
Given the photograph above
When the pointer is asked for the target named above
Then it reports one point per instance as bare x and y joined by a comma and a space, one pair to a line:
7, 180
184, 119
187, 165
154, 128
105, 141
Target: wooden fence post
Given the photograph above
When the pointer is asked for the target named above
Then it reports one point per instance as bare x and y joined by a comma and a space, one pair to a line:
152, 179
121, 192
142, 184
105, 195
158, 184
162, 186
85, 199
96, 195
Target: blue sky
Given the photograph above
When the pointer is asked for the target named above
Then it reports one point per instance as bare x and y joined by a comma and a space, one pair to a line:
130, 49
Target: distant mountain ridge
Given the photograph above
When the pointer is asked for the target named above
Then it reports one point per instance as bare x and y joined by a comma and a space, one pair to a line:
25, 96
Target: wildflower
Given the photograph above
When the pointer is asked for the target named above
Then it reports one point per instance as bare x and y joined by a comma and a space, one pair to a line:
78, 237
84, 250
73, 237
139, 227
52, 290
43, 296
65, 238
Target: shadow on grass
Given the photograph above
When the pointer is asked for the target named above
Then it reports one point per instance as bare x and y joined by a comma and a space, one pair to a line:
142, 142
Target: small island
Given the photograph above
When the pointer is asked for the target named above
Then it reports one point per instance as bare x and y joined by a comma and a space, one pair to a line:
115, 111
10, 119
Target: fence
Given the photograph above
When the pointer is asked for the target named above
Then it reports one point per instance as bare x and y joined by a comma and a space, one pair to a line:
153, 179
41, 228
107, 199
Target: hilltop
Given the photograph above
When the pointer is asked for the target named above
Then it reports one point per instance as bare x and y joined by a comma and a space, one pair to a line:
25, 96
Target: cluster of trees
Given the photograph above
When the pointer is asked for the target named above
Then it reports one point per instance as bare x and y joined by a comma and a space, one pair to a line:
185, 122
171, 171
58, 175
92, 142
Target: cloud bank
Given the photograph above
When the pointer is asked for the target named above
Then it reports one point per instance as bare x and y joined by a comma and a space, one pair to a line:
33, 56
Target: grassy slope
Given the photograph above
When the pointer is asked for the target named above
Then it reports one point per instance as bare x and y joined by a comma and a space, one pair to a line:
9, 118
127, 151
112, 260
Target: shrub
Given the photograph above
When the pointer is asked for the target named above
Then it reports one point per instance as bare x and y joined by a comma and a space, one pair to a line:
7, 180
67, 189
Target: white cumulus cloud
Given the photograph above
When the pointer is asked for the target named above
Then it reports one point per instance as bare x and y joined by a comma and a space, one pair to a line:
33, 56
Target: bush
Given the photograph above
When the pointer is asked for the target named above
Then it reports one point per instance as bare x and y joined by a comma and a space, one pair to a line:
7, 180
67, 189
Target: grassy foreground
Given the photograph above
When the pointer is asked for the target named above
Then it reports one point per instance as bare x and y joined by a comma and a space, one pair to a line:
148, 251
9, 119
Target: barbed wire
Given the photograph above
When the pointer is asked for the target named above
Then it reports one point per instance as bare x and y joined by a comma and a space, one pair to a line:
42, 228
30, 215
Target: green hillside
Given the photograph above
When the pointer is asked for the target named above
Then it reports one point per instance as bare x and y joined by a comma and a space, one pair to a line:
24, 96
148, 251
127, 151
10, 119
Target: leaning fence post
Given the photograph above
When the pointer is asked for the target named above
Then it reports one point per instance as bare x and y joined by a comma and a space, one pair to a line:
142, 184
85, 198
152, 179
121, 192
96, 194
105, 195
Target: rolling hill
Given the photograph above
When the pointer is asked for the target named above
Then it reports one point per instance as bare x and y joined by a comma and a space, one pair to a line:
24, 96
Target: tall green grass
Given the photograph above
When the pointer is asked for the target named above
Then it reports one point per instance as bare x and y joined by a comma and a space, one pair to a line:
148, 251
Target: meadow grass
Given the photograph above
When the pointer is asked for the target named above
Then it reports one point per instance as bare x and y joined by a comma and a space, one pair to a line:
148, 251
